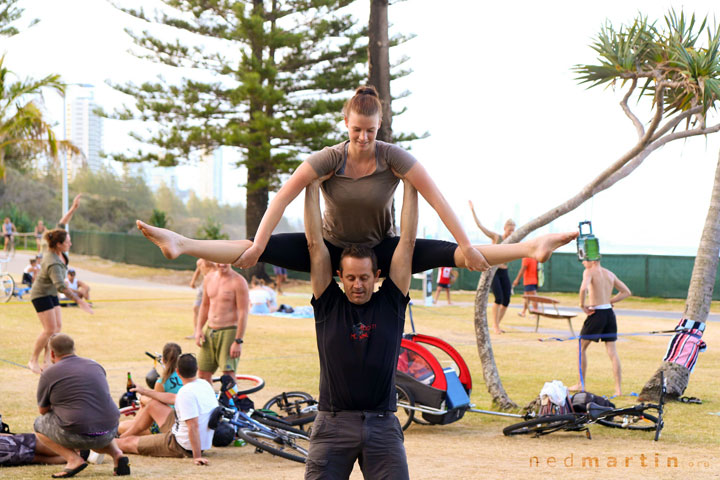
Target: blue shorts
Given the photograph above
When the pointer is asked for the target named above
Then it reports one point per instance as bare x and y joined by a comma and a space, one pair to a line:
279, 270
530, 288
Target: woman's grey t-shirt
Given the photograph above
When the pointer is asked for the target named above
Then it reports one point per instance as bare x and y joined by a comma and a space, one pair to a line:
359, 210
51, 278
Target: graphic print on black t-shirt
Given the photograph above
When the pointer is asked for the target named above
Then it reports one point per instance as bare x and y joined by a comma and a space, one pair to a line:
361, 332
358, 347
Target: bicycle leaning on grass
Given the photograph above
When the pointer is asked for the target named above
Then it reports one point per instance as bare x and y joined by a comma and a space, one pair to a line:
630, 418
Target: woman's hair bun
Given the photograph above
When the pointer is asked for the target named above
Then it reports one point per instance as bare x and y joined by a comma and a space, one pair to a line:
366, 90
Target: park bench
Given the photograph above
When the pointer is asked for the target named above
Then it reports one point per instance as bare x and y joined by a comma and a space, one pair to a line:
548, 307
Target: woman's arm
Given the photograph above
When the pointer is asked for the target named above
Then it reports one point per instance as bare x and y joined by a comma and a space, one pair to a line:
287, 193
420, 179
495, 237
69, 214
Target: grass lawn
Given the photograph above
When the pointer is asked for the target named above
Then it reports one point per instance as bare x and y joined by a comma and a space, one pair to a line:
129, 321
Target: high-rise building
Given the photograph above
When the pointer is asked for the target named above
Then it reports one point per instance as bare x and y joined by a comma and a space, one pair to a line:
83, 127
210, 176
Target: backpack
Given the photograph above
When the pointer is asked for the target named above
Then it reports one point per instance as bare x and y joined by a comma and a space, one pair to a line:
580, 400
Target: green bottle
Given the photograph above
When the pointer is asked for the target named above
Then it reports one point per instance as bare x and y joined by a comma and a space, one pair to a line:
239, 442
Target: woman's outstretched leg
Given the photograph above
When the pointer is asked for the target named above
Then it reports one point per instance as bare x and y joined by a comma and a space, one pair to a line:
540, 248
173, 245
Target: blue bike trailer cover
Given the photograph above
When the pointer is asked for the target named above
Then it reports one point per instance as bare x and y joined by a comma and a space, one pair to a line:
456, 395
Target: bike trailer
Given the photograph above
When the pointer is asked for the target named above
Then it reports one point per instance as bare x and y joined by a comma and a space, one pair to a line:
441, 395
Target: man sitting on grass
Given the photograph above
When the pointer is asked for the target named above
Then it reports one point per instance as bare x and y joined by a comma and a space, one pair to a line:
77, 411
190, 434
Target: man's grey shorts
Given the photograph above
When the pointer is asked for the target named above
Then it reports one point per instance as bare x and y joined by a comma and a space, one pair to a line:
374, 439
49, 425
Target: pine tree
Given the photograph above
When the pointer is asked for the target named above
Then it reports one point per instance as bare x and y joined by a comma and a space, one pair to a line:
280, 68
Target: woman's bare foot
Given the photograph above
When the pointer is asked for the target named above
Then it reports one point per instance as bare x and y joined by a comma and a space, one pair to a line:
544, 246
575, 388
498, 331
34, 367
169, 242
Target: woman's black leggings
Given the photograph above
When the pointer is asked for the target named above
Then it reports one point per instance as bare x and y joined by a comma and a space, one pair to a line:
290, 250
501, 287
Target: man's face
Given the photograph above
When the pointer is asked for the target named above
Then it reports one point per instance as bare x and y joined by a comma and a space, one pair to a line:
222, 267
358, 279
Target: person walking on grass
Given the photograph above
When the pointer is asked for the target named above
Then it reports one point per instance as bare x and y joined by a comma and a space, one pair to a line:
529, 273
446, 277
202, 269
597, 301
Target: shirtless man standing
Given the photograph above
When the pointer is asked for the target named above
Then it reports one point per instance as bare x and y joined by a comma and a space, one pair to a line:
225, 310
202, 269
597, 285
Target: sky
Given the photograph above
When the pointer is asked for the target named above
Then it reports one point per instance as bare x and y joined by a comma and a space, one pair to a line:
492, 82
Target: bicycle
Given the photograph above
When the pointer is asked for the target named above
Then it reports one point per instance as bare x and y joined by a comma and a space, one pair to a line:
629, 418
7, 287
296, 409
267, 433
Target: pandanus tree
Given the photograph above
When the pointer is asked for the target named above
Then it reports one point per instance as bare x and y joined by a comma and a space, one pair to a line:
671, 69
697, 304
24, 130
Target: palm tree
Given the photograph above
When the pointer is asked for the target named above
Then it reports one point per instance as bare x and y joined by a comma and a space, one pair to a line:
23, 127
678, 73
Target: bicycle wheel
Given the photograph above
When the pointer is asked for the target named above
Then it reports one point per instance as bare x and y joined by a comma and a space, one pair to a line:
633, 421
277, 422
543, 425
288, 403
289, 446
7, 287
246, 384
404, 415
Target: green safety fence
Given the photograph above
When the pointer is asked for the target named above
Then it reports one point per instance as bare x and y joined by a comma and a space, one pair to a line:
646, 275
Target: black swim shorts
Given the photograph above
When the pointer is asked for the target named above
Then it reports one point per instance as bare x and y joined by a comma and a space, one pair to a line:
601, 325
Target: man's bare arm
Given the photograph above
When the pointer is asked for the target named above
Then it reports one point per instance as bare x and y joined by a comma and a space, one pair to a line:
623, 290
401, 263
202, 316
584, 289
194, 436
242, 303
320, 265
195, 276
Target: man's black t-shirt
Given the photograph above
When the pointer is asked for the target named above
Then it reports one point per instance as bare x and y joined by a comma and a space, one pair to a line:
359, 347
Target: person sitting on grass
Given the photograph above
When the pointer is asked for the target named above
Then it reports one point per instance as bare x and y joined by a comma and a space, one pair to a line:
25, 449
77, 411
153, 417
190, 435
80, 288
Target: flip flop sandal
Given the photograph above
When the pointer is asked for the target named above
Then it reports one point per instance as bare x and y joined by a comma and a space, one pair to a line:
70, 472
123, 467
690, 400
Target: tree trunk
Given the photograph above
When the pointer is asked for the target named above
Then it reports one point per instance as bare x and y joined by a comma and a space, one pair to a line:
697, 305
490, 371
379, 59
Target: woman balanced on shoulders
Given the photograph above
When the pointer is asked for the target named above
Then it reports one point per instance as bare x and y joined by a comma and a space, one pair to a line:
358, 209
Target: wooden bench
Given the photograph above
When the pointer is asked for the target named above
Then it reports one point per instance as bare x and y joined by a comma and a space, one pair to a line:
548, 307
